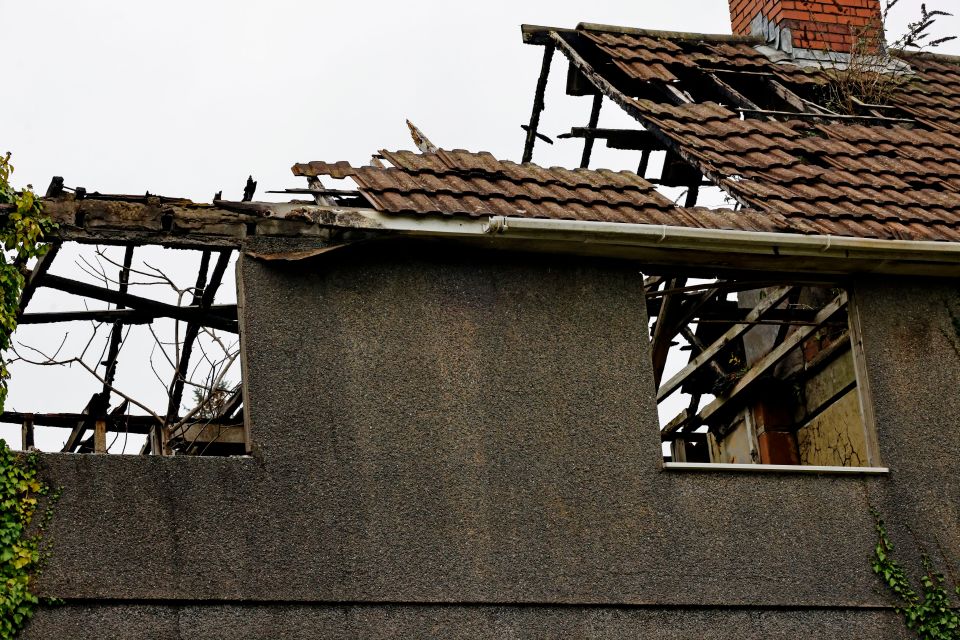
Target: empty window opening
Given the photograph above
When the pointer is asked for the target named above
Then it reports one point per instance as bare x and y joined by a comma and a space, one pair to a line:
129, 350
758, 373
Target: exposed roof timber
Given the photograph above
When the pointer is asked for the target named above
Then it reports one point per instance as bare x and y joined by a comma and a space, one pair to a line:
770, 360
628, 105
630, 139
734, 332
536, 34
126, 316
190, 225
826, 117
32, 280
187, 313
652, 245
132, 424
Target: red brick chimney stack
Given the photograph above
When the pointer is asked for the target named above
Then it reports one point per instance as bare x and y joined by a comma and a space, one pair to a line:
827, 25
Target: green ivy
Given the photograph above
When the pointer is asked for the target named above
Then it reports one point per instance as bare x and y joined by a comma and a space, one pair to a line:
22, 231
929, 613
21, 554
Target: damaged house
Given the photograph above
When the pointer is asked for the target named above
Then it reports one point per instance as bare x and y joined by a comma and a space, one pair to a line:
483, 398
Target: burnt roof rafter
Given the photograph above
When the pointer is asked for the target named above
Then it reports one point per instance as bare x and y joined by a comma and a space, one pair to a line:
633, 109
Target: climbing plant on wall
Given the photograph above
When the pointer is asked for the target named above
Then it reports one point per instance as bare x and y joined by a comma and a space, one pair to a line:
20, 549
929, 613
22, 231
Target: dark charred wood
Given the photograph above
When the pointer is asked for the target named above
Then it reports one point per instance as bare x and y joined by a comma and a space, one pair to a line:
160, 309
539, 135
538, 103
55, 189
139, 424
33, 278
126, 316
249, 189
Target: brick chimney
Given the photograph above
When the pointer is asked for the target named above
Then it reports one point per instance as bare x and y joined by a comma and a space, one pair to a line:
826, 25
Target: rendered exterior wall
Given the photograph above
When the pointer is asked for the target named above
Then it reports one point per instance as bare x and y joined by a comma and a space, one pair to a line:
459, 444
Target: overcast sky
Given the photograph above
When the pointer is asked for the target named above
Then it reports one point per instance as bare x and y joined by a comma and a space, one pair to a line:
186, 98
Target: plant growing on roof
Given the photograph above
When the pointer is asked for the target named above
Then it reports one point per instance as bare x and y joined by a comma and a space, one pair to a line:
870, 77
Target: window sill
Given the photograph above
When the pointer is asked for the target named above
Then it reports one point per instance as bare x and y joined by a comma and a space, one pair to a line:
773, 468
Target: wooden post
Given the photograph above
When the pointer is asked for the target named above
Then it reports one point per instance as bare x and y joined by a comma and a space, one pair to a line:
664, 329
538, 103
644, 163
26, 433
693, 191
100, 436
594, 119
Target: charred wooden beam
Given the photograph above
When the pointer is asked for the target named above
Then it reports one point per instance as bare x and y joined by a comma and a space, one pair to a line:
768, 303
249, 189
539, 135
55, 188
628, 139
591, 125
730, 93
33, 278
538, 103
774, 357
203, 296
116, 333
824, 117
26, 433
693, 192
233, 403
160, 309
682, 434
730, 286
188, 225
540, 35
96, 406
126, 316
137, 424
202, 433
644, 163
665, 329
699, 348
352, 193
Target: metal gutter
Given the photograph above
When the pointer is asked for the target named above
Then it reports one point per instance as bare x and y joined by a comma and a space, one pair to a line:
725, 241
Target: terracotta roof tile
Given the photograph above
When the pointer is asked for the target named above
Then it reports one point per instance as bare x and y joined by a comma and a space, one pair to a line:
869, 177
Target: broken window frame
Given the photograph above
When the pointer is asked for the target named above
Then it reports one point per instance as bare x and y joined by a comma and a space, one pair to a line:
685, 307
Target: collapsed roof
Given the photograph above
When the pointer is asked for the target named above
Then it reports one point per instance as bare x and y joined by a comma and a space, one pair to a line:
767, 130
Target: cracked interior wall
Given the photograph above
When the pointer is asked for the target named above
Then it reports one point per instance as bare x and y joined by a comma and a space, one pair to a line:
835, 437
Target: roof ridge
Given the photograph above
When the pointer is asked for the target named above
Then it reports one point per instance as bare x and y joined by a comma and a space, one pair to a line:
926, 55
671, 35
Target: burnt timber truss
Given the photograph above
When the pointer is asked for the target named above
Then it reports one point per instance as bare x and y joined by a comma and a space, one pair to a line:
218, 231
684, 312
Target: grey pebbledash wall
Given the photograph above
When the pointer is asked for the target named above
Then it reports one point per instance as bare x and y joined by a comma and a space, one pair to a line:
454, 443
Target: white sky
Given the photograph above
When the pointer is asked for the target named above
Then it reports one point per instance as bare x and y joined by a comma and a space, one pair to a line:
188, 98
